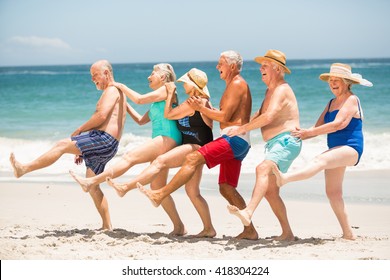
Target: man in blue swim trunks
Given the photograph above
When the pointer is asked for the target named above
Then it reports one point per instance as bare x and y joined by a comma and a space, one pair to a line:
277, 117
97, 145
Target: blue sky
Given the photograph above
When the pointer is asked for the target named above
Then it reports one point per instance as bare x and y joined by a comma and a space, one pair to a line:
50, 32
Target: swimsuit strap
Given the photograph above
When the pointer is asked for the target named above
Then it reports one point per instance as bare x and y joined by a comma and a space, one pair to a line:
358, 101
330, 103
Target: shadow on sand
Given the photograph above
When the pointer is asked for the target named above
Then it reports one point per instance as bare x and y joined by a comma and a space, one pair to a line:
158, 238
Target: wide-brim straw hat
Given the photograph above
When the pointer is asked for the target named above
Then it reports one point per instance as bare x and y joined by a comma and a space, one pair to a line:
198, 79
274, 56
344, 71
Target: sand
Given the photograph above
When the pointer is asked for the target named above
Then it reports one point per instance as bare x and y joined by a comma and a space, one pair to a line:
55, 220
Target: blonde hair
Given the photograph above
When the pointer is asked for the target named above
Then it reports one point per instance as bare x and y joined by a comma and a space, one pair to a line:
200, 94
165, 70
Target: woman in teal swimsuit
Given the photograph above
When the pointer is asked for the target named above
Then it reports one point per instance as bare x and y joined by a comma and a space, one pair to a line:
165, 136
341, 120
196, 130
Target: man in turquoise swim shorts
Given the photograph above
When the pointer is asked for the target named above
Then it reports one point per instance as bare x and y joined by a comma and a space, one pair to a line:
276, 118
282, 150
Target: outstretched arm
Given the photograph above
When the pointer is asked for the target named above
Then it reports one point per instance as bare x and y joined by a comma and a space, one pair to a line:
342, 119
276, 104
178, 112
228, 105
261, 119
305, 133
141, 120
157, 95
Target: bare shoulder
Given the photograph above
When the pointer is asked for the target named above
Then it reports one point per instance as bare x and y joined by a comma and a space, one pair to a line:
238, 85
239, 81
352, 100
284, 89
112, 91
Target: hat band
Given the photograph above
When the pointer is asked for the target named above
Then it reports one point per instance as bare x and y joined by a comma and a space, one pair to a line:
284, 64
340, 70
192, 80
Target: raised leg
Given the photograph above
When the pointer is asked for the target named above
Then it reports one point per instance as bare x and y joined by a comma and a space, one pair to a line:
45, 160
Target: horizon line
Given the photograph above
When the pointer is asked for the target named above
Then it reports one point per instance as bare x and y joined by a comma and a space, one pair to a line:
193, 61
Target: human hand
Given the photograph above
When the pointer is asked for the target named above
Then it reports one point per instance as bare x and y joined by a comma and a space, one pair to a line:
78, 159
76, 132
234, 131
115, 84
195, 103
300, 133
171, 88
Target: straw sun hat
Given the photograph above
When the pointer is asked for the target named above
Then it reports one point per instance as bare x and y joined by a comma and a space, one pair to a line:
196, 78
345, 71
274, 56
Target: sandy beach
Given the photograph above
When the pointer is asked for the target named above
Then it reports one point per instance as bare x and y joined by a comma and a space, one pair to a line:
55, 220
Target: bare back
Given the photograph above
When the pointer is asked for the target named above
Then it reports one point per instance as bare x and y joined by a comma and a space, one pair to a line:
236, 103
115, 102
282, 107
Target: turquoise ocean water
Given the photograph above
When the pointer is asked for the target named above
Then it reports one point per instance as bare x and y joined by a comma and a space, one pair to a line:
42, 104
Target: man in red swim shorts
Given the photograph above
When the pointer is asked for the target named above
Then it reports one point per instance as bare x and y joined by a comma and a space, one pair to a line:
235, 109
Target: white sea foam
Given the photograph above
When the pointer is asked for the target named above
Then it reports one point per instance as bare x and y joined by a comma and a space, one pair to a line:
376, 154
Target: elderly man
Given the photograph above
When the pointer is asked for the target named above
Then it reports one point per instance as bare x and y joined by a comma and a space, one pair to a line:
228, 152
276, 118
98, 145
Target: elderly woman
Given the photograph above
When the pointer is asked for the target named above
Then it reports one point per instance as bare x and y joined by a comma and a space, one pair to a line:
196, 129
165, 136
342, 121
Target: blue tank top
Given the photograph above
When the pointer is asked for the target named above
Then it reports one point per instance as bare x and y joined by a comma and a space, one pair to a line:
162, 126
351, 135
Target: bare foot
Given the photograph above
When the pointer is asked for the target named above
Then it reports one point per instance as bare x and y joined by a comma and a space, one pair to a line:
84, 182
178, 231
19, 171
249, 233
152, 195
205, 233
241, 214
285, 237
121, 189
105, 228
279, 176
349, 237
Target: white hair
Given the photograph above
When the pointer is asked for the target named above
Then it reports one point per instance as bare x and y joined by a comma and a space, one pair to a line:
166, 70
279, 68
233, 57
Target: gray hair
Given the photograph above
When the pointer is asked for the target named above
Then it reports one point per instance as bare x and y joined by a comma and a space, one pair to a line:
165, 70
279, 68
104, 65
349, 83
233, 57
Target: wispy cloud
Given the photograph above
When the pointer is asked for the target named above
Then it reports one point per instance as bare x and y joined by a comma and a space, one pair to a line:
39, 42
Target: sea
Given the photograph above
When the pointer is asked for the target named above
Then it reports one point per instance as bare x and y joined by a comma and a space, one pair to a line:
40, 105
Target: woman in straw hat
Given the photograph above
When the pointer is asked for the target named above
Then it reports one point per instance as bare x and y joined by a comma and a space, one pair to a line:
196, 131
165, 136
341, 120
